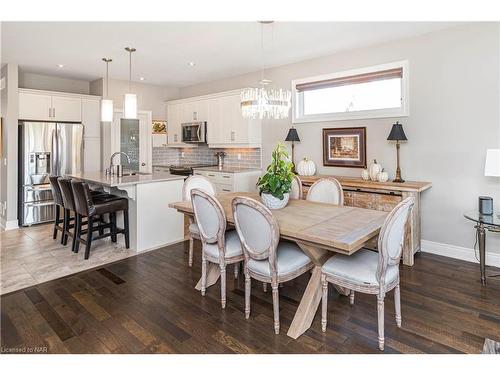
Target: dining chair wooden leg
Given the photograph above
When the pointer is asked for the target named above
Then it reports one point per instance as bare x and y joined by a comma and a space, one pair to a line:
324, 303
112, 217
78, 232
191, 245
203, 274
126, 228
248, 289
397, 304
276, 308
351, 297
76, 229
380, 310
264, 287
236, 269
90, 225
64, 239
223, 285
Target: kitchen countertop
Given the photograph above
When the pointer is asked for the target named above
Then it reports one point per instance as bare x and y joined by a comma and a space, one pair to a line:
101, 178
228, 169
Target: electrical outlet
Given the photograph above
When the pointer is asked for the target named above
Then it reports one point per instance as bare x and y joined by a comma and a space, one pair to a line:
239, 156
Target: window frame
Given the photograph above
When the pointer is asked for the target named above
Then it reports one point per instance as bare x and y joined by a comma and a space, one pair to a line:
404, 111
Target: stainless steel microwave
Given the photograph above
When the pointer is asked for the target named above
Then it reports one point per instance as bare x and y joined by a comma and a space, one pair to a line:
194, 132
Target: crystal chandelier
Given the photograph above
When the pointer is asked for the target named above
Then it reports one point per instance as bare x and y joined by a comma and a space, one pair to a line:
265, 103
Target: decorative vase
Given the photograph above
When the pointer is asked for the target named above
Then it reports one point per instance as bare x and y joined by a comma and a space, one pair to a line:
374, 170
274, 203
306, 167
382, 176
365, 175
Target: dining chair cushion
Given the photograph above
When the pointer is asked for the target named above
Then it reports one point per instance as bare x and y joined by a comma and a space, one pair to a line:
193, 228
233, 246
361, 268
290, 258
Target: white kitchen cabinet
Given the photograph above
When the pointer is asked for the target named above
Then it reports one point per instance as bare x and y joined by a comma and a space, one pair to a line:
226, 127
65, 108
91, 154
35, 107
225, 182
91, 118
175, 113
49, 106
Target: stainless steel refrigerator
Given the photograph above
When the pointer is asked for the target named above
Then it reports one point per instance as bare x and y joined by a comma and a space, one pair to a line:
45, 148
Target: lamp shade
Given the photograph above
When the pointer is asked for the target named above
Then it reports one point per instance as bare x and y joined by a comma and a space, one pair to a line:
492, 165
106, 110
397, 133
292, 135
130, 106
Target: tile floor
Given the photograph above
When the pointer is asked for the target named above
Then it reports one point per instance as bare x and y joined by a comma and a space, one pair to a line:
30, 256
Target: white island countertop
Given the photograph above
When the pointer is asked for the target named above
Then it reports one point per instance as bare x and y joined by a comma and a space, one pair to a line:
102, 178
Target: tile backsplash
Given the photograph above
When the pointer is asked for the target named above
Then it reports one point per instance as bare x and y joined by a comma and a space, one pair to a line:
235, 157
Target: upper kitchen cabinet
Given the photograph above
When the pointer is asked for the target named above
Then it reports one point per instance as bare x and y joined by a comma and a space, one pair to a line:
49, 106
91, 118
177, 114
226, 128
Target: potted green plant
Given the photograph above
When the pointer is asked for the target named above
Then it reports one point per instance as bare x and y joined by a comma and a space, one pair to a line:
274, 186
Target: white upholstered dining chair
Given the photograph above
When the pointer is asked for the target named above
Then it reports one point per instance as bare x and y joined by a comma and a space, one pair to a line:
195, 182
369, 272
266, 258
326, 190
296, 191
218, 245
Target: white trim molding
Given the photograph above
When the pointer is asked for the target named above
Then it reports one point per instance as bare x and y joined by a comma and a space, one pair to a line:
458, 252
8, 225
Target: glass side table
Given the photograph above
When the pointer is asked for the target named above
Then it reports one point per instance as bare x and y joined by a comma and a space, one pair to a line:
483, 223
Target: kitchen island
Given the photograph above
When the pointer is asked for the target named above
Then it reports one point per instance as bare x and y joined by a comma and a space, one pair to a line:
152, 223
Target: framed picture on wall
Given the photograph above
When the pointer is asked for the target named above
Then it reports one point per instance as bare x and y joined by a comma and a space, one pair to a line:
159, 127
344, 147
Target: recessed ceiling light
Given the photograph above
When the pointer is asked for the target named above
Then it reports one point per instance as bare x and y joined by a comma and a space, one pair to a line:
142, 78
60, 66
191, 63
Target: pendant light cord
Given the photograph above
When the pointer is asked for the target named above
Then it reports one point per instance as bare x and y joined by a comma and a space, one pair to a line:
107, 79
129, 69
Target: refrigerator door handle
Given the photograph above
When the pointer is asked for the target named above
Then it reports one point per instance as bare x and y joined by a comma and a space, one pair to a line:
55, 153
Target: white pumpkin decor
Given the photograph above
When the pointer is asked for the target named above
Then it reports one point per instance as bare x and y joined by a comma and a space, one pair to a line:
306, 167
365, 175
382, 176
374, 170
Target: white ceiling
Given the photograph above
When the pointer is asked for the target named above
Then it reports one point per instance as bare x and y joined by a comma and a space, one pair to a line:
219, 49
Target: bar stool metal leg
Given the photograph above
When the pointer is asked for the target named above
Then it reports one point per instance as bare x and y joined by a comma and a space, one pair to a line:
125, 224
90, 225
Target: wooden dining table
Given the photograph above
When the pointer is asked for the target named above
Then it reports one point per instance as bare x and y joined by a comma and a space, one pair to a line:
320, 229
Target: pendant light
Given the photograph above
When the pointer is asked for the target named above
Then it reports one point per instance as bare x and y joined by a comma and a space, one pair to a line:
265, 102
129, 99
107, 104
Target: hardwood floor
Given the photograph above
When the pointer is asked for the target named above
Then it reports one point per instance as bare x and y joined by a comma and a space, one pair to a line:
148, 304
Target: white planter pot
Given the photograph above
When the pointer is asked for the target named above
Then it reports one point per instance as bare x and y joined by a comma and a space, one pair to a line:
274, 203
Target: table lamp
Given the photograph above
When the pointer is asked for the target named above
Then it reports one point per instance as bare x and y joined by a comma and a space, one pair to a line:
292, 136
397, 134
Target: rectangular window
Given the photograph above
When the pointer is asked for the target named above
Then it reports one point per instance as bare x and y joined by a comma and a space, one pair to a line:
379, 91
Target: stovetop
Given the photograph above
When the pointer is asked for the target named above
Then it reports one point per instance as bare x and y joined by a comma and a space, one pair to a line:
186, 169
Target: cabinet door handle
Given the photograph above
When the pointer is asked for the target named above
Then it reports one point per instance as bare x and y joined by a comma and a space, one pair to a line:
50, 112
175, 137
232, 136
53, 112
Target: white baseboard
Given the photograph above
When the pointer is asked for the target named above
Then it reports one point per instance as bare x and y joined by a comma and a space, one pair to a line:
8, 225
458, 252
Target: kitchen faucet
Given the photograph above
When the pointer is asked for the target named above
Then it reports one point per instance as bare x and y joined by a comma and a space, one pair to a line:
118, 170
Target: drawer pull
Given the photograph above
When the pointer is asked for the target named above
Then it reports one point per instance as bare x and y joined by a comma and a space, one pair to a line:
211, 175
226, 190
226, 176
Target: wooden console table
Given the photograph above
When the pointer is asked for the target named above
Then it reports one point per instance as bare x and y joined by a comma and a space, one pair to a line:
383, 196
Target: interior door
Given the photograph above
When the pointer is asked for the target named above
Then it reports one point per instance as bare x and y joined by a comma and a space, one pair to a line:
69, 148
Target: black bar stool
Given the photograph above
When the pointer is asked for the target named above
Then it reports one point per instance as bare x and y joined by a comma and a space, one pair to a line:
86, 206
58, 201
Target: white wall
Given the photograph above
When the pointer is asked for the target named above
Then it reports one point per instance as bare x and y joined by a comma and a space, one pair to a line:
8, 162
454, 118
51, 83
149, 97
